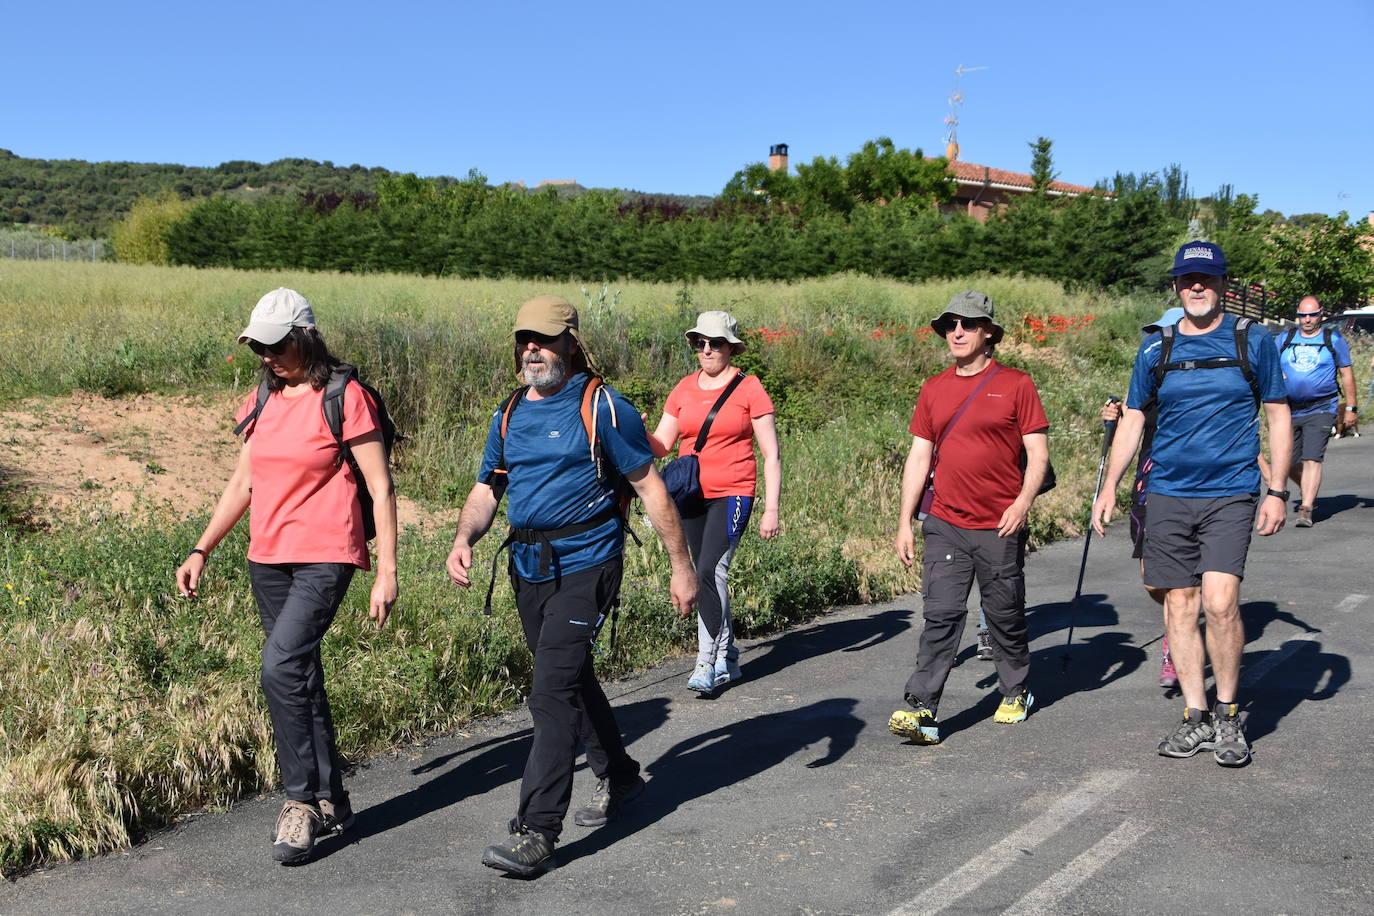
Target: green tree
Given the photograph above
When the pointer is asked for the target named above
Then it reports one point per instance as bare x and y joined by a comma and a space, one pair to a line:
1042, 165
1330, 260
141, 236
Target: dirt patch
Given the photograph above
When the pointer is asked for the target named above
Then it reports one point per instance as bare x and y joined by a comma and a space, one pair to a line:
83, 452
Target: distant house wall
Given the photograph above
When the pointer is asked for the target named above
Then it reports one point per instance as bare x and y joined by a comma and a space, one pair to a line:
981, 190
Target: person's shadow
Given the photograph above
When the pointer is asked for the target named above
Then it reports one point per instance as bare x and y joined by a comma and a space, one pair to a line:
1307, 673
853, 635
1326, 506
1089, 611
1256, 616
484, 766
1091, 664
702, 764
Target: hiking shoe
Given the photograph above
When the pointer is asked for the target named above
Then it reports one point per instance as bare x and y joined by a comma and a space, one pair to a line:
1230, 747
1168, 677
703, 680
1015, 709
607, 800
525, 853
336, 816
298, 825
1304, 517
984, 646
1193, 734
919, 724
727, 672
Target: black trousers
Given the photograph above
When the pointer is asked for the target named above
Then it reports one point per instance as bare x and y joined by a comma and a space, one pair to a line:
561, 618
297, 603
951, 558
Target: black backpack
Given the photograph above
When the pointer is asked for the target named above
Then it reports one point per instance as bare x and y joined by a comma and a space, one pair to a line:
1240, 361
339, 377
1326, 341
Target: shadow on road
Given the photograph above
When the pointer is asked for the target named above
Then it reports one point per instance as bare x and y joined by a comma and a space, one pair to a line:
1257, 615
1307, 674
854, 635
1327, 506
483, 767
727, 756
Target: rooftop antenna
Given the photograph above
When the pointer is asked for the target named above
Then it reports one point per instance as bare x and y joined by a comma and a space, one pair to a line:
956, 98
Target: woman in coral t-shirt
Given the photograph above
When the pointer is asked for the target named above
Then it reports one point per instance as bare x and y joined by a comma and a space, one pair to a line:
306, 541
728, 473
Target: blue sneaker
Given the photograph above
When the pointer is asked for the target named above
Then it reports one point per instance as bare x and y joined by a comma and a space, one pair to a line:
727, 672
703, 680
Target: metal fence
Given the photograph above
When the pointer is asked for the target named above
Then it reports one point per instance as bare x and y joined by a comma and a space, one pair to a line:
55, 249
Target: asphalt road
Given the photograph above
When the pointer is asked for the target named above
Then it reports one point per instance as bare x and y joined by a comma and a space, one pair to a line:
786, 793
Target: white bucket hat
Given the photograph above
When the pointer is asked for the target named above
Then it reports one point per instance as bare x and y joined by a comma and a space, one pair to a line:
716, 324
276, 314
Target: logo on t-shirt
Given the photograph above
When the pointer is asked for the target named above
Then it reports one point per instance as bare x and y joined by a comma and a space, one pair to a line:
553, 434
1306, 358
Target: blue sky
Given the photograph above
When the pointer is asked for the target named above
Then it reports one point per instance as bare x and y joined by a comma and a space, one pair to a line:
1273, 98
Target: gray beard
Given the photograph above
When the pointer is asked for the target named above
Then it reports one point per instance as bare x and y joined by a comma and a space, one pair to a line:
550, 376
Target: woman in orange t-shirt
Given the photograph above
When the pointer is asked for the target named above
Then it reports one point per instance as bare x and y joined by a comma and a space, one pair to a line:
728, 474
306, 541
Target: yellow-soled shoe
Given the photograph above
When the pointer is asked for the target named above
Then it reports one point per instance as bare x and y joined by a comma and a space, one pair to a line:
1015, 709
918, 725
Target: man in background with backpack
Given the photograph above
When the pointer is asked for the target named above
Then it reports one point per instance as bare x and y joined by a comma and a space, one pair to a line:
1312, 358
560, 447
1208, 375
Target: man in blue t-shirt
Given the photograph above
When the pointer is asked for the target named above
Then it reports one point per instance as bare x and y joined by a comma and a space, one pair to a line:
1313, 358
1203, 485
566, 537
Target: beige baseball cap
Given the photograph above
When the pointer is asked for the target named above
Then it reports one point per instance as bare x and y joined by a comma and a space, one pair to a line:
276, 314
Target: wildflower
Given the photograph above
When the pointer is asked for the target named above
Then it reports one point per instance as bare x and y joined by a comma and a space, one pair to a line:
229, 358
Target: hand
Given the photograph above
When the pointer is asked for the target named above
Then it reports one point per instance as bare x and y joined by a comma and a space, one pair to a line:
1013, 520
384, 594
905, 544
1104, 507
459, 562
1272, 514
1348, 419
683, 591
188, 575
1111, 411
768, 525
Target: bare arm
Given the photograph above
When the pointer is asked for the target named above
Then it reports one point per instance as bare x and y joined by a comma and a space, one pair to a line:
766, 432
233, 502
370, 454
1272, 510
1037, 446
479, 511
1124, 447
914, 474
1347, 418
663, 515
664, 437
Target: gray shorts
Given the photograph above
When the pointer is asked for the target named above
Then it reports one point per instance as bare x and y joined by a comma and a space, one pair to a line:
1193, 535
1310, 434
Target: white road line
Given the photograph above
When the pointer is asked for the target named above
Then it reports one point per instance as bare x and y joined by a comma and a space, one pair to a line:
1253, 673
1350, 602
1045, 898
1001, 855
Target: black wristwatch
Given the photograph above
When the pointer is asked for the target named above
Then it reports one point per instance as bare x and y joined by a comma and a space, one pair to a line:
1281, 494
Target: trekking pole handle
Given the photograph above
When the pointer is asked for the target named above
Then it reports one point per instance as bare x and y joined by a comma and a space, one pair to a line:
1109, 428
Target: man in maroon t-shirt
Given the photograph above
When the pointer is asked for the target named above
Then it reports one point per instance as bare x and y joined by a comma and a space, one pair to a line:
972, 424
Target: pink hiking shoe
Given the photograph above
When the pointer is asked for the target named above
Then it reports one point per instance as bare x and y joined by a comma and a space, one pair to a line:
1168, 677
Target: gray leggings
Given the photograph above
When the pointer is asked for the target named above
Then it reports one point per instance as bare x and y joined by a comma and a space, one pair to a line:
712, 537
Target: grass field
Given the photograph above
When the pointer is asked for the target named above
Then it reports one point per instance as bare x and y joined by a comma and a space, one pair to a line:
123, 705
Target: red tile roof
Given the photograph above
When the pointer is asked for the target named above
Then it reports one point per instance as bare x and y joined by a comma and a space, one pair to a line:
970, 172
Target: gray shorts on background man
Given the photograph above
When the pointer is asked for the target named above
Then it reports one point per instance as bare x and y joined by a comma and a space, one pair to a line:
1310, 434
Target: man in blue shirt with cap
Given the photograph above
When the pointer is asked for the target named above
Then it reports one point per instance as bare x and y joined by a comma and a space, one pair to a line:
1207, 374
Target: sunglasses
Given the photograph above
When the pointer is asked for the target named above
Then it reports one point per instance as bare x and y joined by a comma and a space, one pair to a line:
524, 338
716, 343
945, 325
1309, 314
276, 349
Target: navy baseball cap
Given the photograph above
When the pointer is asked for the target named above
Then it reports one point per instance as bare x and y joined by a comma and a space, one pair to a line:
1199, 257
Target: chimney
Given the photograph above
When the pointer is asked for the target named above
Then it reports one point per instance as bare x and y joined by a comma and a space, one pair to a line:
777, 158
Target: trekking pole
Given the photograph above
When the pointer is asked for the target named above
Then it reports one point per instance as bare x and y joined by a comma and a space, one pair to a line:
1108, 431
